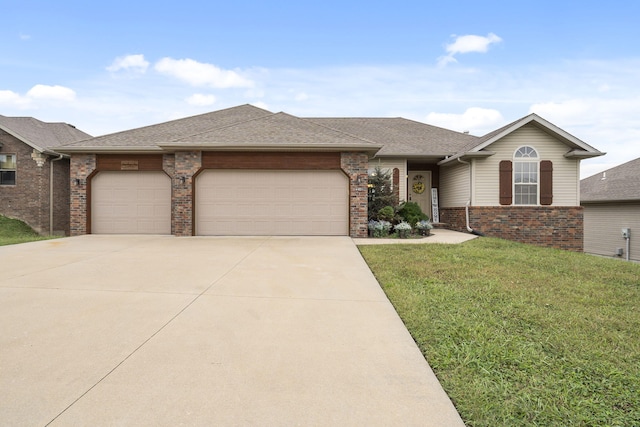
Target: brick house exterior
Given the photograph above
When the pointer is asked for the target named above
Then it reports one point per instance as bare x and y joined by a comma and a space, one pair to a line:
37, 191
459, 173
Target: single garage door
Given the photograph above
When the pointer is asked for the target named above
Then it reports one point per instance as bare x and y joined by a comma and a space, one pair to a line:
131, 203
268, 202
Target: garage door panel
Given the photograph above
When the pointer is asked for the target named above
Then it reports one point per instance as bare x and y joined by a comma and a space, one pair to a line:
244, 202
131, 203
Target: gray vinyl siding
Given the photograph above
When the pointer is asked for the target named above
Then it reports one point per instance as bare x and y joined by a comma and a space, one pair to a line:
603, 225
566, 172
454, 186
389, 164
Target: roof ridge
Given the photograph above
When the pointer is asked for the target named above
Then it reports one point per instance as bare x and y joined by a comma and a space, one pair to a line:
177, 120
227, 126
342, 132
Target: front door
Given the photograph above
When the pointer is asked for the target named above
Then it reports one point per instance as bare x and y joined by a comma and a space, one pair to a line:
419, 190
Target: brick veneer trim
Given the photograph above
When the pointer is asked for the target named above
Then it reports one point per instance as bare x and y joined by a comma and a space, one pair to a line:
555, 227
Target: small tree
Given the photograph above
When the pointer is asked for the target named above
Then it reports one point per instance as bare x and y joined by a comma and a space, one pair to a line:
380, 191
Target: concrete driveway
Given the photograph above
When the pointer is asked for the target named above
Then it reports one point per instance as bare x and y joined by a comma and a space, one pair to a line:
159, 330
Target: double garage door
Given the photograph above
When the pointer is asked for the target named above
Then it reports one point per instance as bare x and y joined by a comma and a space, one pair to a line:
227, 202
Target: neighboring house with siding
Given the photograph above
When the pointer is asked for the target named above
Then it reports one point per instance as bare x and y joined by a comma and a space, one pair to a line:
611, 202
245, 170
34, 178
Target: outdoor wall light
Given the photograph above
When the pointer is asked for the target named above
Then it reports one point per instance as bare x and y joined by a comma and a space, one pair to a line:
77, 181
183, 179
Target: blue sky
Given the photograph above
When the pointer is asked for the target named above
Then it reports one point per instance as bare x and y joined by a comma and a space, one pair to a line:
468, 65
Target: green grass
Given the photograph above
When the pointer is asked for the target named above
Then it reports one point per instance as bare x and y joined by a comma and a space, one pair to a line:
13, 231
520, 335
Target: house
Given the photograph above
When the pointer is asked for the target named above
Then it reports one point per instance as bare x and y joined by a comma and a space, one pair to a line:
34, 178
248, 171
611, 202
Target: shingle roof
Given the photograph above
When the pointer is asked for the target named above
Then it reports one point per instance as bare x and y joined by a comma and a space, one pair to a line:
402, 137
279, 130
621, 183
150, 136
40, 135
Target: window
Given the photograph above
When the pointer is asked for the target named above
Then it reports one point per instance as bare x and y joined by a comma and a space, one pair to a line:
525, 176
7, 169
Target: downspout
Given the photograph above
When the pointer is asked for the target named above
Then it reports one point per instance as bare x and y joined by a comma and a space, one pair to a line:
51, 193
466, 207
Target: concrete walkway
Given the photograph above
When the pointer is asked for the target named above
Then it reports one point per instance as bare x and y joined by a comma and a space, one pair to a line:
438, 235
158, 330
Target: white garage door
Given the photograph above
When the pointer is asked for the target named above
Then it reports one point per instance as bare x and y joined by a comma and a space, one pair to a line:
131, 203
279, 203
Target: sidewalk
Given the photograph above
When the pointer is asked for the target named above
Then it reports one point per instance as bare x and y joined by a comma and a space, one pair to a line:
438, 235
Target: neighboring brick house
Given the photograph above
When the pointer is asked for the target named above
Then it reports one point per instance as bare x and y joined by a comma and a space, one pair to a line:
34, 178
611, 202
247, 171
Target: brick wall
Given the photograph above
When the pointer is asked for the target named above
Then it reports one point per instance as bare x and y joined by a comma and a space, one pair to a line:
61, 196
82, 165
169, 167
29, 200
187, 163
554, 227
356, 166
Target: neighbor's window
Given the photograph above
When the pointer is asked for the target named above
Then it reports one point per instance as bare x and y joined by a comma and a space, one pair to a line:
525, 176
7, 169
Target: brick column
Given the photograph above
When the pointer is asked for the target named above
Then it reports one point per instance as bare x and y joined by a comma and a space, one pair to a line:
169, 167
81, 167
187, 163
356, 165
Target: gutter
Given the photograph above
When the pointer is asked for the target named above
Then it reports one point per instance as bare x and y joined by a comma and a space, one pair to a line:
466, 207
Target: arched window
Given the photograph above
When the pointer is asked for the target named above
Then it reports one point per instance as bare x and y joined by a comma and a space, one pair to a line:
525, 176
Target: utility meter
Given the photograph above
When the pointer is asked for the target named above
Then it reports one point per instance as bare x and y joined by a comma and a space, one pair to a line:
626, 233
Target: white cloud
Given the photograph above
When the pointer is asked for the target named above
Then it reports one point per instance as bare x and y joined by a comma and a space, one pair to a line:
564, 112
201, 74
475, 120
8, 97
24, 36
262, 105
56, 92
135, 63
467, 44
301, 96
201, 100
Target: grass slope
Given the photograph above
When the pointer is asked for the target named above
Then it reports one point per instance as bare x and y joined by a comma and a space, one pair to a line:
13, 231
521, 335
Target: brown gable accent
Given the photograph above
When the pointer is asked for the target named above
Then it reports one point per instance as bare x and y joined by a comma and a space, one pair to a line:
506, 172
546, 182
269, 160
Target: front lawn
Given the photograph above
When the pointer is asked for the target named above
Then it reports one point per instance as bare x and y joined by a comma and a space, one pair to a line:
520, 335
13, 231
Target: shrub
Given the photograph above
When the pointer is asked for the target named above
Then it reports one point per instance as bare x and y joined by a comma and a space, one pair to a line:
379, 228
380, 192
411, 212
403, 229
387, 213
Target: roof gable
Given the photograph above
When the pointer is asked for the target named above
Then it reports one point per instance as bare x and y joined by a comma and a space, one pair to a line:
578, 148
621, 183
41, 136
